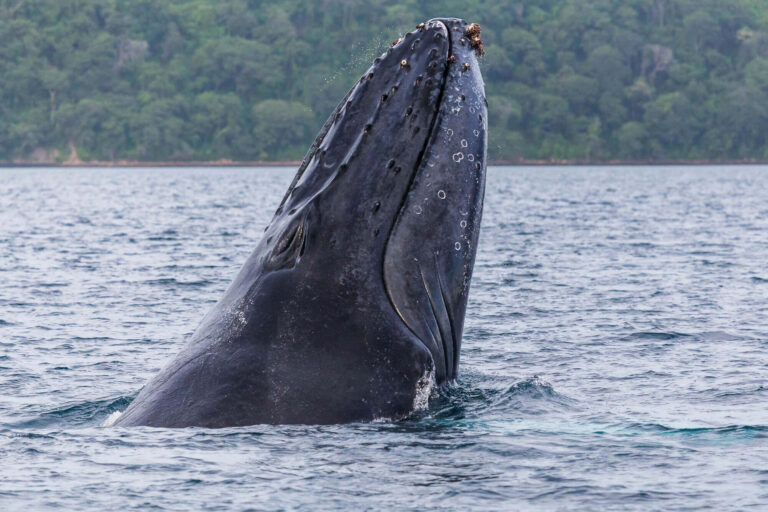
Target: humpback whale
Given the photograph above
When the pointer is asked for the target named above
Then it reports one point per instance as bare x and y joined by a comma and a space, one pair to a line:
351, 308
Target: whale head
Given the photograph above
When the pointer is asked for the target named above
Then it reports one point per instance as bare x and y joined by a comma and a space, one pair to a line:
389, 197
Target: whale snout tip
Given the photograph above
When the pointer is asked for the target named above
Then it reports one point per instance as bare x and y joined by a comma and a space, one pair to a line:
471, 32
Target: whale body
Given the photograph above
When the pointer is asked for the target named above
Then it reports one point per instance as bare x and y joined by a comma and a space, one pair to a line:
351, 308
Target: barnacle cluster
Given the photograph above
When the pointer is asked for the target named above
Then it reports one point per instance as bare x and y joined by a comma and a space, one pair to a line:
473, 34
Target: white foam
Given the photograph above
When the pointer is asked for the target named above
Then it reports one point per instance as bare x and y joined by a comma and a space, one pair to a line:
111, 419
424, 389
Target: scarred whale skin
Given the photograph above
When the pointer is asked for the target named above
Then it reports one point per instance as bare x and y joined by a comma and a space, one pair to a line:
352, 305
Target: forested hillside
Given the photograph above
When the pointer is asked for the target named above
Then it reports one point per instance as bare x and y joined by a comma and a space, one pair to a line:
168, 80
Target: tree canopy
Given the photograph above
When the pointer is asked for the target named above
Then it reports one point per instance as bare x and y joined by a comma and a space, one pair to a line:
159, 80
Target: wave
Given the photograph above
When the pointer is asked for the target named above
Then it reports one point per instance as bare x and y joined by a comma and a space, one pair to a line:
672, 335
744, 393
175, 282
532, 396
78, 414
729, 431
656, 335
529, 397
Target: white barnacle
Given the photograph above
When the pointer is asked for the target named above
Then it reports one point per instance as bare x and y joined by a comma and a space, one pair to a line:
417, 210
471, 157
458, 157
463, 224
457, 245
464, 143
476, 132
449, 132
441, 194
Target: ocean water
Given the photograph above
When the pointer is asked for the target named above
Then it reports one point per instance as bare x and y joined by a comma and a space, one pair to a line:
615, 354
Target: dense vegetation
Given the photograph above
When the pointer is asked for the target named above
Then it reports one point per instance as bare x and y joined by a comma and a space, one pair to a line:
252, 79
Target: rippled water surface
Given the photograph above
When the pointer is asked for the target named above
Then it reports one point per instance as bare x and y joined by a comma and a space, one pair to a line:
615, 352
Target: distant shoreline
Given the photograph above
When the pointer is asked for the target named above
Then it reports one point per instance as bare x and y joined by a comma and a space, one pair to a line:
296, 163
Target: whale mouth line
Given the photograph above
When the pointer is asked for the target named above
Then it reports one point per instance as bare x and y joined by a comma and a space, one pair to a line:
417, 168
419, 164
430, 248
436, 342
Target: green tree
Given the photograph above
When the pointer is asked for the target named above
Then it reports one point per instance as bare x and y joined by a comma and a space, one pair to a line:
633, 141
249, 79
280, 127
671, 121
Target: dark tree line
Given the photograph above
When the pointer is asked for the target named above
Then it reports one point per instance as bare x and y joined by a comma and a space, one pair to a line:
251, 79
